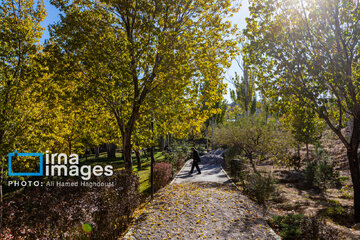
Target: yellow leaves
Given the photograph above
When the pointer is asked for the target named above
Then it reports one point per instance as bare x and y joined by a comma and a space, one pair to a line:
196, 211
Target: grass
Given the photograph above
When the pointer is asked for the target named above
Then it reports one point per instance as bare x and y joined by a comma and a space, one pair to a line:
118, 164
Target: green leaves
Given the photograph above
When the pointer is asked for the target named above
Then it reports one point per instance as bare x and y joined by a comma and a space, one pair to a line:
304, 124
304, 52
20, 71
254, 139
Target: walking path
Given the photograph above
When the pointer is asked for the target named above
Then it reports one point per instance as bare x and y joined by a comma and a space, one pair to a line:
211, 171
204, 206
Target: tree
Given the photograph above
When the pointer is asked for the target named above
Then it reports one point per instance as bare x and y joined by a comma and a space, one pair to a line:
244, 93
135, 55
309, 50
20, 32
214, 121
306, 127
255, 140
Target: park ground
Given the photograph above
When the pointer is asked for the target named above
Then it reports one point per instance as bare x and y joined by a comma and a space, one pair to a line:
335, 204
208, 206
201, 206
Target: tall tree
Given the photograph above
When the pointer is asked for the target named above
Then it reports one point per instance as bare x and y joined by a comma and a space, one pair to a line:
20, 32
310, 49
131, 54
244, 93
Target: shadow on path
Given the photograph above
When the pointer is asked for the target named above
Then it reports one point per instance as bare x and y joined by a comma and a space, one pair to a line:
211, 171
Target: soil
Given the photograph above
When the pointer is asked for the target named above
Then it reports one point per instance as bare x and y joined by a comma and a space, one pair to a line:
293, 197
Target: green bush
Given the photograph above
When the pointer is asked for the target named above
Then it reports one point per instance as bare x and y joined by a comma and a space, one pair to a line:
238, 169
176, 157
288, 225
260, 187
338, 214
309, 174
345, 190
297, 226
319, 173
295, 162
254, 140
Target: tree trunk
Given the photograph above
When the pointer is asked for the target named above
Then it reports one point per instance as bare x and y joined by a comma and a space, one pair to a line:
349, 127
246, 89
161, 143
355, 177
266, 115
169, 140
1, 202
353, 157
212, 132
138, 159
127, 151
298, 151
253, 166
152, 165
1, 191
307, 152
152, 171
207, 137
97, 152
111, 149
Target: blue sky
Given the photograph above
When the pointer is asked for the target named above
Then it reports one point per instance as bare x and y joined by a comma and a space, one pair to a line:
239, 19
52, 16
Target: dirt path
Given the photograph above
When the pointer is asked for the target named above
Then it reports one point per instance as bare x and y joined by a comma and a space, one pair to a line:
205, 206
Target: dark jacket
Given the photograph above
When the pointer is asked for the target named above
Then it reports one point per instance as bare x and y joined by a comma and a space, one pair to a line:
196, 156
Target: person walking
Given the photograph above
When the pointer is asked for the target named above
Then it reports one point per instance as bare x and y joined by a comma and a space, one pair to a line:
196, 160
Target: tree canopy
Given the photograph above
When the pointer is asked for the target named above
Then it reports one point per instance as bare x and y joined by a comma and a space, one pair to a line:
146, 59
307, 51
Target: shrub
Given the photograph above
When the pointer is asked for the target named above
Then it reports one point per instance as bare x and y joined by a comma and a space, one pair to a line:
288, 225
345, 190
259, 187
61, 212
238, 169
162, 174
298, 226
309, 174
326, 175
115, 206
294, 161
320, 173
316, 228
177, 156
337, 213
254, 140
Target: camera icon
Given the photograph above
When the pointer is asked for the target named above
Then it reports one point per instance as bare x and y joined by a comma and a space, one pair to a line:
17, 154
